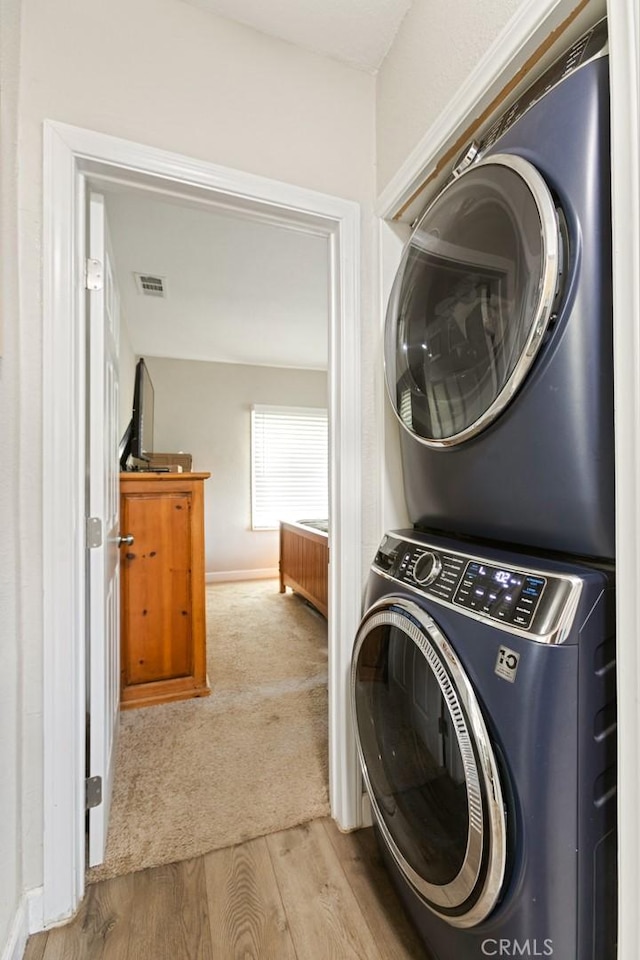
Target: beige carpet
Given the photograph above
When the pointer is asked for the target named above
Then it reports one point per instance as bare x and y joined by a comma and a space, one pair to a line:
250, 759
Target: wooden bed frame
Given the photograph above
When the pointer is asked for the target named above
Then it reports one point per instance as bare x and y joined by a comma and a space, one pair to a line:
304, 561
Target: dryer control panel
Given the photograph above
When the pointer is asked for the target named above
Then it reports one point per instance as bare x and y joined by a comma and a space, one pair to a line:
528, 600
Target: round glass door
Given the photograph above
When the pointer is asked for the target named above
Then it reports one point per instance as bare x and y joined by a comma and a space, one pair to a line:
472, 300
427, 762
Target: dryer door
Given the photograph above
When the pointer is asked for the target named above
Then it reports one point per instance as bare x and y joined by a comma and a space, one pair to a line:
428, 763
472, 300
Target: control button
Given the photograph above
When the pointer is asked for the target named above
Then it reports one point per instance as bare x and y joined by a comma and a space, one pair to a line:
498, 593
437, 592
533, 586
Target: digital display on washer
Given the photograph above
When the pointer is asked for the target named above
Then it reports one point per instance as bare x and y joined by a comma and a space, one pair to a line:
506, 595
388, 552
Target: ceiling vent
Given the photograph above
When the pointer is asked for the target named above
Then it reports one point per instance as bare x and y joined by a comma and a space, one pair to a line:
150, 285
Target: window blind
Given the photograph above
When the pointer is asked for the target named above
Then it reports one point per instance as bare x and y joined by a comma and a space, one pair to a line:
289, 465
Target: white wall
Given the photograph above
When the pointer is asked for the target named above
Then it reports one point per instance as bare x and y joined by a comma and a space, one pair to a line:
435, 49
164, 73
12, 702
204, 409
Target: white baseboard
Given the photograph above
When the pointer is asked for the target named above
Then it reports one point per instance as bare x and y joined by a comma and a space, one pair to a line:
35, 909
28, 919
15, 946
223, 576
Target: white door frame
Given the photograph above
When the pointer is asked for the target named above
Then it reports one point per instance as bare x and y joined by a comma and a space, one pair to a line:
532, 25
70, 154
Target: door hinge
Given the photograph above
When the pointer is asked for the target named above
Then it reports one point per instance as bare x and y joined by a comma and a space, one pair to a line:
93, 275
94, 532
93, 792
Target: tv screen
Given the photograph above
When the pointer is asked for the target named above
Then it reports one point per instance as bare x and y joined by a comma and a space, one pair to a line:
142, 419
137, 440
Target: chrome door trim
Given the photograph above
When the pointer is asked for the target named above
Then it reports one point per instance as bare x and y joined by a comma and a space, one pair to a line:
480, 768
549, 290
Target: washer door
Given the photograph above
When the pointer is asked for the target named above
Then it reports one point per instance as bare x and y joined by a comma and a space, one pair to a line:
428, 763
472, 300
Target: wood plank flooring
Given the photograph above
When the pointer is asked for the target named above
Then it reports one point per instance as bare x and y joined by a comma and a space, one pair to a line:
309, 893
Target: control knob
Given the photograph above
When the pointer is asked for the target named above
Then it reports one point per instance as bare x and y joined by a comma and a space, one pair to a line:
426, 568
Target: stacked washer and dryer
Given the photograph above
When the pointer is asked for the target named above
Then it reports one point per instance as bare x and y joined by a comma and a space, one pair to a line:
483, 672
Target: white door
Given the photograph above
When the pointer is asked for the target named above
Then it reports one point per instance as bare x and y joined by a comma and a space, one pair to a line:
103, 500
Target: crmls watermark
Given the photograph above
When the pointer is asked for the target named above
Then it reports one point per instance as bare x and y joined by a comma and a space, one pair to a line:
517, 948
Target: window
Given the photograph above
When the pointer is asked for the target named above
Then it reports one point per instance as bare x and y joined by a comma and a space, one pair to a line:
289, 465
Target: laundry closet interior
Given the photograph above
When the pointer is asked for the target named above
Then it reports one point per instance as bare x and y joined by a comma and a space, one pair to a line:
484, 669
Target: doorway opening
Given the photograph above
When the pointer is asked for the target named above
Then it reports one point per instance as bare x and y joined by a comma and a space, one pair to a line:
72, 155
234, 338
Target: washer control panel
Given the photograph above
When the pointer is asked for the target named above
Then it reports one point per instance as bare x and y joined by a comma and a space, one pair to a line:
504, 594
525, 599
437, 573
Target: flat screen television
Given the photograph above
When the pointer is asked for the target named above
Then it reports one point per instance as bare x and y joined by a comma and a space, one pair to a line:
137, 442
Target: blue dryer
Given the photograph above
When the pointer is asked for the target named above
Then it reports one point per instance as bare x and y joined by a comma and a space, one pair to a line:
498, 348
483, 687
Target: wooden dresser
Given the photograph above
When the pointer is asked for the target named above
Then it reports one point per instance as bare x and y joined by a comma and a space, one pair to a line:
163, 626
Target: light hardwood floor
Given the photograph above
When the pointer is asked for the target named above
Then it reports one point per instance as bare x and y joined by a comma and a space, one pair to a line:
309, 893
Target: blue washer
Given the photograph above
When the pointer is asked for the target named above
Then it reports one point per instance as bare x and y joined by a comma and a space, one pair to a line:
484, 701
498, 352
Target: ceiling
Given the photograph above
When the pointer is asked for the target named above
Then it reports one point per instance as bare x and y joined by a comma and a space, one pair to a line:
238, 290
357, 32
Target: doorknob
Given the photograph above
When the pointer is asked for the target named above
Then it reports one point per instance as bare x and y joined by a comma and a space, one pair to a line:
126, 541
